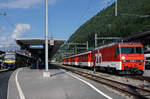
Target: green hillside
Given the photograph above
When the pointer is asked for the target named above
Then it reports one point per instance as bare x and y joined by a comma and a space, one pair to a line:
131, 19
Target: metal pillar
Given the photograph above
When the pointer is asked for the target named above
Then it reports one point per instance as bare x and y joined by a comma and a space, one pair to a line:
103, 42
95, 40
116, 8
46, 35
87, 46
75, 49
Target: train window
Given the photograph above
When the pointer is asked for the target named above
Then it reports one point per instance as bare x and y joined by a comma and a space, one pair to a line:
116, 50
139, 50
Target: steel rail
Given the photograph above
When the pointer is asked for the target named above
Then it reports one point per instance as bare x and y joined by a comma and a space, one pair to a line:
141, 78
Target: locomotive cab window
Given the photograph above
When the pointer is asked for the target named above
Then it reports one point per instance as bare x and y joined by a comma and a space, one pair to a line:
131, 50
139, 50
127, 50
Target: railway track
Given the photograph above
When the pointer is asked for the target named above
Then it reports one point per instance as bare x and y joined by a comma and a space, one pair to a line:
3, 70
138, 78
127, 89
141, 78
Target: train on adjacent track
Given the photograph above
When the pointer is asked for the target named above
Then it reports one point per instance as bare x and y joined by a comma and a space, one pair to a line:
12, 60
121, 58
9, 61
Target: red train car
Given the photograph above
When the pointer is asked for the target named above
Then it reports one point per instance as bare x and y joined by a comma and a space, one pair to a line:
82, 59
124, 58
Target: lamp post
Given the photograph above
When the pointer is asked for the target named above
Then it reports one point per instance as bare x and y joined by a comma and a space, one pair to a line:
46, 73
46, 35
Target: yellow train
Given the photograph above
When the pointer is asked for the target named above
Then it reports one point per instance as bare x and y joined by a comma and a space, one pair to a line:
9, 60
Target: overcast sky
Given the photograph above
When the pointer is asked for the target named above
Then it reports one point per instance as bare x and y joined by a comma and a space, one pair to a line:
25, 18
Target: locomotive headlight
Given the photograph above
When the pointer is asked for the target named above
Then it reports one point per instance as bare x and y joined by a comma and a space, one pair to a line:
123, 57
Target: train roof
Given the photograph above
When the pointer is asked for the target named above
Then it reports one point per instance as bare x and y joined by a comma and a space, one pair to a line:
108, 45
78, 54
118, 43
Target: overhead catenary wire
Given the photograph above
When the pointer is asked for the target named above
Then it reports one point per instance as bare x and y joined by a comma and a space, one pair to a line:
8, 22
87, 8
84, 13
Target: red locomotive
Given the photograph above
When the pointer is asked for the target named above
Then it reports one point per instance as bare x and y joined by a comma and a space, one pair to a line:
123, 58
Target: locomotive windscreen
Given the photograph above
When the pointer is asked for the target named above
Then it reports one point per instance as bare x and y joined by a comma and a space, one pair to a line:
131, 50
9, 56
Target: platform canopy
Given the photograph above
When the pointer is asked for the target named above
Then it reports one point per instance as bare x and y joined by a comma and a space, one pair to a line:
143, 37
1, 52
37, 46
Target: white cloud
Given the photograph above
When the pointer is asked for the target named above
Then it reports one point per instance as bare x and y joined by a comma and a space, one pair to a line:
23, 3
20, 30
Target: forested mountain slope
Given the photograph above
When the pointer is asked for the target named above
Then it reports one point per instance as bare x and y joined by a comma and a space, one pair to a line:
132, 18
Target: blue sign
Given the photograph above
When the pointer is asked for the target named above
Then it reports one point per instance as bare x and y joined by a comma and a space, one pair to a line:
36, 46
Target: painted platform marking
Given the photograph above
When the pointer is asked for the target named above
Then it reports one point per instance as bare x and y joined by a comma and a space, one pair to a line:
92, 86
18, 86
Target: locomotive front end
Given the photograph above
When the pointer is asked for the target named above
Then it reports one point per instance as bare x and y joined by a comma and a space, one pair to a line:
9, 61
132, 59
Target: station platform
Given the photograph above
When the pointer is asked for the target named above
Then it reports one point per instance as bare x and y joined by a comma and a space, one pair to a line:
27, 83
146, 73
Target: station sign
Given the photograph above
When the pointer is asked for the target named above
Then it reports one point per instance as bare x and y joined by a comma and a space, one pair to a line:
51, 41
36, 46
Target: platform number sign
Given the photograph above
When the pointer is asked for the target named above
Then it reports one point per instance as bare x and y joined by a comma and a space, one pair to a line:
51, 41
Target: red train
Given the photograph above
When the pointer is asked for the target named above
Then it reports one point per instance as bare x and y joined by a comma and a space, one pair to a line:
123, 58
